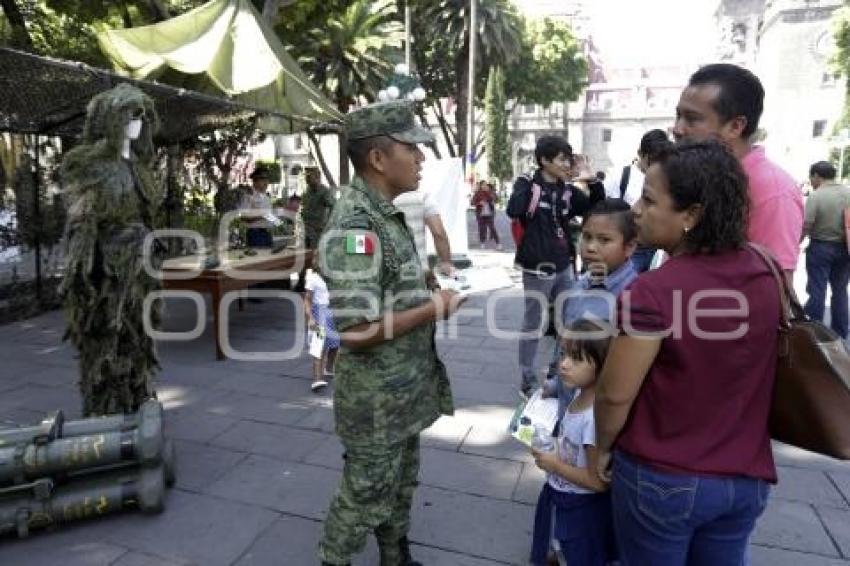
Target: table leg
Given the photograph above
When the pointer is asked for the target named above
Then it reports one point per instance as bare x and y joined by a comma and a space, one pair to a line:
216, 304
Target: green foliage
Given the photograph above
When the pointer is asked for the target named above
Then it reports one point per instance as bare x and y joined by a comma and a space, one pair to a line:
496, 127
352, 52
550, 67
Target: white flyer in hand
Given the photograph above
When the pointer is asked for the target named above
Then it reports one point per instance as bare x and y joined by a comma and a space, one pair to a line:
475, 280
536, 412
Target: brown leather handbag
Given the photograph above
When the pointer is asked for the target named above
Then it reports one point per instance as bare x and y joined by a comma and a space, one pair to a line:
811, 398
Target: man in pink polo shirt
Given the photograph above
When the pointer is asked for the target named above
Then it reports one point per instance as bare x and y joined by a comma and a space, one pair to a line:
725, 102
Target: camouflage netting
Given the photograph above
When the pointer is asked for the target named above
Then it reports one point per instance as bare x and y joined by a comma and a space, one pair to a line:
39, 95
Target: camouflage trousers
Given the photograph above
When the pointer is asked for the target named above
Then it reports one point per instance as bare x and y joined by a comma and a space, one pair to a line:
375, 494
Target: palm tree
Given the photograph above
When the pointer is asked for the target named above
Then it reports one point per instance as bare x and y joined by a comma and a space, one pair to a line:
351, 56
498, 37
353, 52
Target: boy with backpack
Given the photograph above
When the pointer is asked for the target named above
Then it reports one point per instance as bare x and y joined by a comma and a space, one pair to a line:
541, 206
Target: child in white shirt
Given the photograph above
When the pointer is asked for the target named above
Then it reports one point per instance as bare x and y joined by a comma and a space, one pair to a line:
320, 326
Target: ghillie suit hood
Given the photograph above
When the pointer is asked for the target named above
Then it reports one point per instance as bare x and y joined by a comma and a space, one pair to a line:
112, 206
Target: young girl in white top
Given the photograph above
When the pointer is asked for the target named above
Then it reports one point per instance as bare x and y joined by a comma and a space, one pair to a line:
582, 507
320, 322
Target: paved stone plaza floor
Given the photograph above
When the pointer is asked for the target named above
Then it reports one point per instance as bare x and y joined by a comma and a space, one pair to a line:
258, 462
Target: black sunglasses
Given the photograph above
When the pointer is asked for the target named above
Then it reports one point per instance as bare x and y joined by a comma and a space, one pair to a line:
137, 114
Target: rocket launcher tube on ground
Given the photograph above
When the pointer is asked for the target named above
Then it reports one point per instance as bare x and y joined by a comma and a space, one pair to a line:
148, 415
142, 445
40, 504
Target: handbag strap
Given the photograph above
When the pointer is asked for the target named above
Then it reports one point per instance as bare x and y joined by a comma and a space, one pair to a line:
791, 309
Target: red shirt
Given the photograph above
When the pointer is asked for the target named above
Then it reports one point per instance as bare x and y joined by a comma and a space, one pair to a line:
703, 407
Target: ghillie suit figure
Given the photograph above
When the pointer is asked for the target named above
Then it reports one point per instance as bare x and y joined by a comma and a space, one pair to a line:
112, 201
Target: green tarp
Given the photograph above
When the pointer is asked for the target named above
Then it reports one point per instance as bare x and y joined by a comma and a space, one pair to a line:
223, 47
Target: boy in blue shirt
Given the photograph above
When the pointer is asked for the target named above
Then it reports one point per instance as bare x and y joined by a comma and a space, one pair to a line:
608, 239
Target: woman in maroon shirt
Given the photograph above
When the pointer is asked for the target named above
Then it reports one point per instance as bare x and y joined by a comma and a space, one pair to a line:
685, 392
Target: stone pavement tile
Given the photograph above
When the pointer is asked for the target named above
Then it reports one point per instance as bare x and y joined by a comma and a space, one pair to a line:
193, 375
134, 558
786, 455
295, 541
467, 524
466, 473
456, 340
481, 414
289, 540
466, 370
794, 526
838, 524
842, 481
44, 399
58, 547
431, 557
808, 486
481, 354
319, 417
767, 556
295, 489
181, 398
529, 485
193, 528
501, 373
196, 425
446, 433
200, 465
483, 391
495, 443
17, 416
54, 376
256, 408
272, 387
280, 442
10, 383
328, 454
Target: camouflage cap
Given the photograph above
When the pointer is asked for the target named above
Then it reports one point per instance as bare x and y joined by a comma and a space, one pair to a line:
394, 119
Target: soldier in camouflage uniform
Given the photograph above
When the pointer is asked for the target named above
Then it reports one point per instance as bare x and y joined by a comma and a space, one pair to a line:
316, 204
113, 199
390, 383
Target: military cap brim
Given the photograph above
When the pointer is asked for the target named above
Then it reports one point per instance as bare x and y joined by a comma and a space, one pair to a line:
416, 134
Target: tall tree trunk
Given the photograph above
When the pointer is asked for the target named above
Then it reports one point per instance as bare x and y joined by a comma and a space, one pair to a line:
20, 36
344, 170
462, 90
174, 189
343, 105
444, 126
125, 14
320, 156
159, 11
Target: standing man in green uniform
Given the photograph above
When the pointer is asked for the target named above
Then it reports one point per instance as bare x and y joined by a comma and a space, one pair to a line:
390, 383
316, 205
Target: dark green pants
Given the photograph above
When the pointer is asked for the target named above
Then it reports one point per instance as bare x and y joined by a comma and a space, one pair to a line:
375, 494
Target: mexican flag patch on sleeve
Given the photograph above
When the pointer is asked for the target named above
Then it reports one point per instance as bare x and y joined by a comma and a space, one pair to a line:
362, 244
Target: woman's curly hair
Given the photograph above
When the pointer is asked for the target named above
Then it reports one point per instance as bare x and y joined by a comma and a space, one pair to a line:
707, 174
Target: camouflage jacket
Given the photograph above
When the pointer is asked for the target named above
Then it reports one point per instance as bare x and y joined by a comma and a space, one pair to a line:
316, 203
387, 393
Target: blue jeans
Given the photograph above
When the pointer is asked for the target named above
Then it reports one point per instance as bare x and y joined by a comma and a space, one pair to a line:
546, 289
663, 519
828, 262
